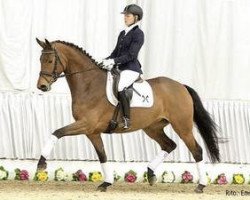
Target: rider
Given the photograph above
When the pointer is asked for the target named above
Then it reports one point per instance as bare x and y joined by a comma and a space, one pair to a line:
125, 55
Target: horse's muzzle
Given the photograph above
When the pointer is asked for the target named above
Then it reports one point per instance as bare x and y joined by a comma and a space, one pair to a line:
44, 88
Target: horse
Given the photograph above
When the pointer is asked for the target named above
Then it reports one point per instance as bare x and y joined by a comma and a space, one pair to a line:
174, 103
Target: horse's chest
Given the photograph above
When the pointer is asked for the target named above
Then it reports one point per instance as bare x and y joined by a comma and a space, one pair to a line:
77, 112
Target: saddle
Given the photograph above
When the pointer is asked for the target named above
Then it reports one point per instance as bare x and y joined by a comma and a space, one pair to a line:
116, 78
139, 93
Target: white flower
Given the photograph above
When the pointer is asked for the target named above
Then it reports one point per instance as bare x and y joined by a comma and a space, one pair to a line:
3, 174
69, 177
168, 177
61, 175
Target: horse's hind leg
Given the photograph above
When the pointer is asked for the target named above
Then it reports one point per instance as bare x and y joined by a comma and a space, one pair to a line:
184, 129
156, 132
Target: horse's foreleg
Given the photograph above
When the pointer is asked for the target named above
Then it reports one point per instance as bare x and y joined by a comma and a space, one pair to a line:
46, 150
75, 128
97, 142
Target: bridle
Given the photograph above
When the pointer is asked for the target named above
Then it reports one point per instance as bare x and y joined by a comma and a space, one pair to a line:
54, 74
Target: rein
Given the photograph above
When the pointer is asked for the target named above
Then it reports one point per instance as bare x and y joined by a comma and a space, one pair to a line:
56, 75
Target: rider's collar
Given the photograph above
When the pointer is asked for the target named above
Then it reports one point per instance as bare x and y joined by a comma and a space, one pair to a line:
129, 28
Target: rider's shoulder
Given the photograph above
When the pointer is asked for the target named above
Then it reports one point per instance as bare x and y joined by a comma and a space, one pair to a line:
138, 31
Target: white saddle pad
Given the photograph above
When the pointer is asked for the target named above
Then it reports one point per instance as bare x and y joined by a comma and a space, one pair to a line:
143, 99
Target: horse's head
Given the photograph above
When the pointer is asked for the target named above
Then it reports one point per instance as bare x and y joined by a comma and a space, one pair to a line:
51, 65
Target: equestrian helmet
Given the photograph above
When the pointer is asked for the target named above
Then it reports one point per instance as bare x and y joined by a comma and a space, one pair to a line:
133, 9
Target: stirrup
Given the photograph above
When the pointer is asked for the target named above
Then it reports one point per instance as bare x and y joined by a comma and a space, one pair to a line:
126, 123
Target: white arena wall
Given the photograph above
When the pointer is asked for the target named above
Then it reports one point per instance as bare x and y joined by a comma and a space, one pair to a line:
27, 120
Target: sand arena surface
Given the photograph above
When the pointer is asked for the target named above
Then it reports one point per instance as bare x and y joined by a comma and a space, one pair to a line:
51, 190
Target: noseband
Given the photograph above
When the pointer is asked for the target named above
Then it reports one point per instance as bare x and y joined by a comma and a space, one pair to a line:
54, 74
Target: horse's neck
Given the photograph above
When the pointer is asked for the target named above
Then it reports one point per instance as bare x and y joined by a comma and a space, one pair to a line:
84, 87
87, 85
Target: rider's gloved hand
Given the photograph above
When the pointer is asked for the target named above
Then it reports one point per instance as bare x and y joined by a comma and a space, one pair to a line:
108, 64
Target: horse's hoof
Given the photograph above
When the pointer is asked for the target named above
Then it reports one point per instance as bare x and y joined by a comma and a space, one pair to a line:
103, 187
41, 167
151, 177
152, 180
199, 188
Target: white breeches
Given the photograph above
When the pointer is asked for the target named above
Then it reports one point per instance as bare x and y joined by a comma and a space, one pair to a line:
127, 77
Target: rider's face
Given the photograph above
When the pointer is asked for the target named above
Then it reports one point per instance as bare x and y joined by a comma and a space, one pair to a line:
129, 19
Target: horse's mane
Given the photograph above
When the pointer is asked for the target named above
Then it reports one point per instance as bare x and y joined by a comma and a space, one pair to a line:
79, 49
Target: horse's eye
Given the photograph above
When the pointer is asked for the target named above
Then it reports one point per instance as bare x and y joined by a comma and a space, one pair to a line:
50, 61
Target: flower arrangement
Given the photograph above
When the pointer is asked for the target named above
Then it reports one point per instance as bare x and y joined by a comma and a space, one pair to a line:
238, 179
186, 177
130, 176
79, 176
4, 174
60, 175
221, 179
41, 176
116, 176
95, 176
22, 175
168, 177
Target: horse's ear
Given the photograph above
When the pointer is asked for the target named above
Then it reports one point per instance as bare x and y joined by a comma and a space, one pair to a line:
42, 44
48, 45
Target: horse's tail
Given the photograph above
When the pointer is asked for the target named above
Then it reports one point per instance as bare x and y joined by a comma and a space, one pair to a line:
206, 126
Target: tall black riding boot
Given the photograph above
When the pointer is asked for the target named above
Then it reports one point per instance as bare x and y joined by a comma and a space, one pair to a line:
125, 104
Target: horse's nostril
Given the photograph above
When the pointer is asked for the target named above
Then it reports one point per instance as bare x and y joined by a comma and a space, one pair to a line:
43, 88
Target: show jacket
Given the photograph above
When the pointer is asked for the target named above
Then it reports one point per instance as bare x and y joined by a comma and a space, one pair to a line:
127, 49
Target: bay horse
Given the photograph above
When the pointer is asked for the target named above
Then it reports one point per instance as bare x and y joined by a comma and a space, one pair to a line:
174, 103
